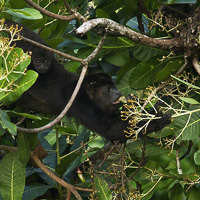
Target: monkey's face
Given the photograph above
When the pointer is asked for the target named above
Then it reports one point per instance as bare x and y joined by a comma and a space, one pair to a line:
41, 64
41, 60
103, 92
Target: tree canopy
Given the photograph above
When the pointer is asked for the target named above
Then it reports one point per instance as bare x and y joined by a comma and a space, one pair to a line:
151, 49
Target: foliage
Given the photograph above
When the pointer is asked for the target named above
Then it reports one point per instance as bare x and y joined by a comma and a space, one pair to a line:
171, 167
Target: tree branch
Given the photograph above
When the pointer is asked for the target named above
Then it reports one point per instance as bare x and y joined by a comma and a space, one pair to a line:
46, 47
54, 177
116, 29
50, 14
51, 49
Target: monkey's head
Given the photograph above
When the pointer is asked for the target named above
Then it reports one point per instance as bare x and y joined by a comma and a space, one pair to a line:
103, 92
41, 60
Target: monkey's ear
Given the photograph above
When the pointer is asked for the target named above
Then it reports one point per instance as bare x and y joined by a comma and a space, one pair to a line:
90, 89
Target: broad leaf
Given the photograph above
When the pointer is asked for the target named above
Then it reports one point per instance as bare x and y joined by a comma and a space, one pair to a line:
188, 125
194, 193
25, 13
6, 124
34, 190
144, 74
197, 157
23, 84
171, 67
189, 100
117, 57
181, 1
23, 147
12, 177
177, 193
103, 190
144, 53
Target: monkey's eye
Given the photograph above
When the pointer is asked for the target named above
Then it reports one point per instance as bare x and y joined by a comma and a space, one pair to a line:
108, 89
37, 61
92, 83
46, 61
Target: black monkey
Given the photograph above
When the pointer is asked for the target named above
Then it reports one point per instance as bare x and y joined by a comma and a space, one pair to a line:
96, 105
41, 59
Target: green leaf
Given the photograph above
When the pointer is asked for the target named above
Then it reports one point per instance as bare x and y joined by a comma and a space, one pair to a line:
2, 130
23, 148
177, 193
171, 165
101, 14
17, 3
144, 53
25, 13
51, 137
29, 116
181, 1
65, 162
24, 83
16, 62
103, 190
143, 74
185, 83
118, 57
189, 125
149, 189
12, 177
197, 157
171, 67
134, 148
35, 190
189, 100
194, 193
6, 124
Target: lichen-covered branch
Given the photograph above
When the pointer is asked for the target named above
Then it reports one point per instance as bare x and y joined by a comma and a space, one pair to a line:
113, 28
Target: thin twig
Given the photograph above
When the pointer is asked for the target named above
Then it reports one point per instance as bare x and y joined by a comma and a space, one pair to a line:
122, 166
188, 150
108, 153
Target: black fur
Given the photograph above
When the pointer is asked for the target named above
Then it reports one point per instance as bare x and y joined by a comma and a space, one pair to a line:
95, 105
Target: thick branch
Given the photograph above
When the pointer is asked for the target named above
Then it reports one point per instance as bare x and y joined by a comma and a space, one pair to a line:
114, 28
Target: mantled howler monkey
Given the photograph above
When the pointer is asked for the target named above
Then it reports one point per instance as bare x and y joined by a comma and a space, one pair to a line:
41, 59
96, 105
